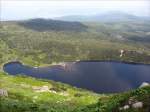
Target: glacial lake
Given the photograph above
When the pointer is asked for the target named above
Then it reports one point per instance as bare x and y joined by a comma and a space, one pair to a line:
97, 76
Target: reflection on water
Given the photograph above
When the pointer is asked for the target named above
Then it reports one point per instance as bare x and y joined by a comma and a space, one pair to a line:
101, 77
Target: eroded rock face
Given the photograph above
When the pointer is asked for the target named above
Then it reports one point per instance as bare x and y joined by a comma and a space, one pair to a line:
3, 92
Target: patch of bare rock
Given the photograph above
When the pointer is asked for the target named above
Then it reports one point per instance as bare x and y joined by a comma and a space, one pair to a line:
132, 103
48, 89
3, 92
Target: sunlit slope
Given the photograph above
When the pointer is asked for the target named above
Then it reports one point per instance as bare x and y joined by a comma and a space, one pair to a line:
30, 94
22, 94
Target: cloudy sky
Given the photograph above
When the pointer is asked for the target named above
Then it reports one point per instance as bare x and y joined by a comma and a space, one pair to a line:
25, 9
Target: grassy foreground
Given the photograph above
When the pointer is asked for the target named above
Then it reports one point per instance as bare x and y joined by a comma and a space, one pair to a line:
27, 94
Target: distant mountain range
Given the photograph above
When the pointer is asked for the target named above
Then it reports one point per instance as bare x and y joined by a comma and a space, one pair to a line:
107, 17
76, 22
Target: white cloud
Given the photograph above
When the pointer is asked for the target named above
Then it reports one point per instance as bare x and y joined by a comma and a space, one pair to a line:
16, 9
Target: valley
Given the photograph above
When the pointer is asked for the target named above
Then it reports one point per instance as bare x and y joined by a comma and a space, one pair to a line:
98, 41
115, 50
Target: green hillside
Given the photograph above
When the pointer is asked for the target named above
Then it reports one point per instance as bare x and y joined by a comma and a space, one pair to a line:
26, 94
100, 41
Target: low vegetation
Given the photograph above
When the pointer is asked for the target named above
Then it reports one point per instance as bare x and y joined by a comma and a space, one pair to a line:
100, 41
22, 96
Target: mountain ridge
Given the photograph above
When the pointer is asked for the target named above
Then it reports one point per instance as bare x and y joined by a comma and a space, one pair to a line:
104, 17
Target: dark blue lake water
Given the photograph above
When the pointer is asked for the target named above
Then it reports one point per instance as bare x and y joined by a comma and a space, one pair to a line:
101, 77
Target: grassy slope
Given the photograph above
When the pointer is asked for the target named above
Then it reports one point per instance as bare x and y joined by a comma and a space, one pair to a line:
22, 95
22, 98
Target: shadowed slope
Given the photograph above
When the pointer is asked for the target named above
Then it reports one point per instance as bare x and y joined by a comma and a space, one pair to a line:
54, 25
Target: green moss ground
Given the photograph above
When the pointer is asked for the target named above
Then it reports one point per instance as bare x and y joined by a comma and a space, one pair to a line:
22, 98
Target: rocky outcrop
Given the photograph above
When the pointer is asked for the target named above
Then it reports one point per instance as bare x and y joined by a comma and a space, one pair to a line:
3, 92
132, 103
144, 84
47, 89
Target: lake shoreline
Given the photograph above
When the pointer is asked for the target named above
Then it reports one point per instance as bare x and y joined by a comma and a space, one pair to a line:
79, 73
62, 63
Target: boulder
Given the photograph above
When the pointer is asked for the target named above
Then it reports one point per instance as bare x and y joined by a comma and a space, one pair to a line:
144, 84
137, 105
3, 92
132, 103
125, 107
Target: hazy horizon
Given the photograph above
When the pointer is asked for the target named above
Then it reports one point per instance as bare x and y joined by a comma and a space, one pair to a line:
19, 10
